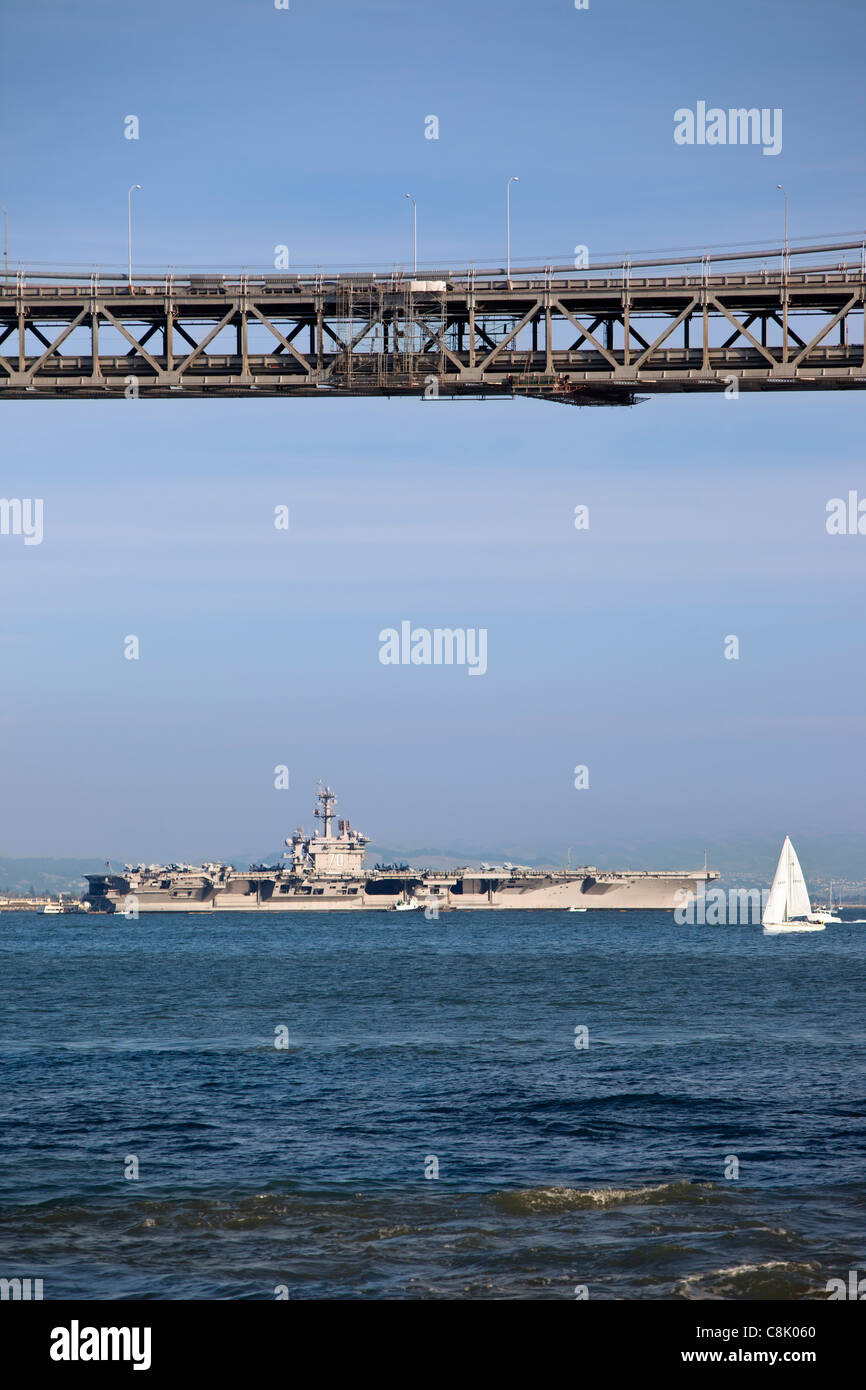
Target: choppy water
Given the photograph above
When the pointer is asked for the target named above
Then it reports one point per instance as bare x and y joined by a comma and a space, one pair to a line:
408, 1040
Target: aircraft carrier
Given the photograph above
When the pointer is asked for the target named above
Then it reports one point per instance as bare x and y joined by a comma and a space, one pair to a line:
324, 872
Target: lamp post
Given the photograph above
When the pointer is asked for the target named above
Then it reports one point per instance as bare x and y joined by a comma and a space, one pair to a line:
129, 227
5, 243
785, 191
414, 232
513, 179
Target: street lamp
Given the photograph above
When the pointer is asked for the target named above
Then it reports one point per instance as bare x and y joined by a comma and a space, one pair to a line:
513, 179
5, 243
414, 232
783, 190
129, 227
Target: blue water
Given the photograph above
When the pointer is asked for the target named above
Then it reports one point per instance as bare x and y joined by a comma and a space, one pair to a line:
411, 1041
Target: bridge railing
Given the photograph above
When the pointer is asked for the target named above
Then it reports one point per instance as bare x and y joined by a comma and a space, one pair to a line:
695, 269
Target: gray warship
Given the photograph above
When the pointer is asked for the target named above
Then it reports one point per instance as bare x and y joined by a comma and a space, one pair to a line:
325, 872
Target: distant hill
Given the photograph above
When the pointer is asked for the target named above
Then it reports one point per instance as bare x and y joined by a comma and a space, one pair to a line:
741, 863
41, 876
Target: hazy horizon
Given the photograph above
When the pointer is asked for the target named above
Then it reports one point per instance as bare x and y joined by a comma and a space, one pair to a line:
836, 859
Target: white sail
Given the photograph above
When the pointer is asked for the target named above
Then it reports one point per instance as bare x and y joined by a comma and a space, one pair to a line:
789, 896
777, 903
798, 894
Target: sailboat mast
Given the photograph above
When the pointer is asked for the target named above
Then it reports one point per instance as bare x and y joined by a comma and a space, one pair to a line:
790, 869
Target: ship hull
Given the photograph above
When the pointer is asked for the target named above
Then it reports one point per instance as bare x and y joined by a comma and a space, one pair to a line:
621, 892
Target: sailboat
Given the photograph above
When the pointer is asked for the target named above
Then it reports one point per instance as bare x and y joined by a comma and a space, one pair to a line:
788, 906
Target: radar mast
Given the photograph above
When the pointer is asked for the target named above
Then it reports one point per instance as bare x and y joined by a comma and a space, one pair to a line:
325, 811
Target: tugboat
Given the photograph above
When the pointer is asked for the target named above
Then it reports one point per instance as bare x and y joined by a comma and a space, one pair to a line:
405, 904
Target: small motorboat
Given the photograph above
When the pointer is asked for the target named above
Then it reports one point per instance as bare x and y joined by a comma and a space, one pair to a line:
829, 915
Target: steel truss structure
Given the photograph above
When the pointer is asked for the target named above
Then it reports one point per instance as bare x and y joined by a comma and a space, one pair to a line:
585, 338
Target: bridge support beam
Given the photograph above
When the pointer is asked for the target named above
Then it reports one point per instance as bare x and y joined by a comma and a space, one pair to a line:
475, 334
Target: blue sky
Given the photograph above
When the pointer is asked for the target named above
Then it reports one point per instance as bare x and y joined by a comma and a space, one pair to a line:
260, 647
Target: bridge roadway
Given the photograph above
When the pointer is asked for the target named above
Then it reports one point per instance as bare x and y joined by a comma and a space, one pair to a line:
606, 336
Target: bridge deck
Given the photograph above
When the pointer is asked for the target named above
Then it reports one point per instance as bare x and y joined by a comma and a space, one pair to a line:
548, 333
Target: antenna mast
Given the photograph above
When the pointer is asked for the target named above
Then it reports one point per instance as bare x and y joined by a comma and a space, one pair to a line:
326, 814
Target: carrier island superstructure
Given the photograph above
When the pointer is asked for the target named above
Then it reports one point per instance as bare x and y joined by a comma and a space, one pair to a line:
325, 872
